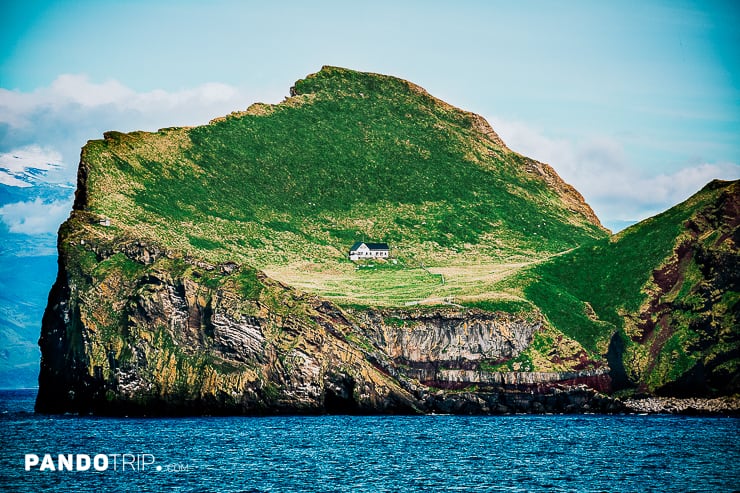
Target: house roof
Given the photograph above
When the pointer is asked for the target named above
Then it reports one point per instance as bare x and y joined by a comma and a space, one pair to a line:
371, 246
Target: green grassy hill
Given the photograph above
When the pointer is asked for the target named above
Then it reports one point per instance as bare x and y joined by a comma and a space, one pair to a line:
670, 288
288, 188
199, 234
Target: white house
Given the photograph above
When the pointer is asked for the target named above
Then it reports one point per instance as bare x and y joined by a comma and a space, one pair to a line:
362, 250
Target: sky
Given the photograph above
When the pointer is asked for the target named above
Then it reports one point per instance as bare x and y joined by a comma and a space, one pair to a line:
635, 103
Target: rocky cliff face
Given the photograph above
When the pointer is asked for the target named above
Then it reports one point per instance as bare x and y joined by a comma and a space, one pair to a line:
439, 336
134, 329
684, 340
458, 349
172, 336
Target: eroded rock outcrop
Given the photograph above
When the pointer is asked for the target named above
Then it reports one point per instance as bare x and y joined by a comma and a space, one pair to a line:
160, 339
425, 336
456, 348
728, 405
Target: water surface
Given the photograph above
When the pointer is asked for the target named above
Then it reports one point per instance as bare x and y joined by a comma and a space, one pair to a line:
374, 454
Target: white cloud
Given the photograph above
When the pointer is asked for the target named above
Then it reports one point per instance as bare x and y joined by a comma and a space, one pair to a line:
599, 168
77, 92
78, 89
36, 217
73, 110
22, 167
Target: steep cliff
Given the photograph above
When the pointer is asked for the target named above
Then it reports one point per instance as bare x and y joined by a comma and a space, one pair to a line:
131, 329
134, 329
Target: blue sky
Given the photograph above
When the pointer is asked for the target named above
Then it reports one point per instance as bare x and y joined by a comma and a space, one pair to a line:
637, 104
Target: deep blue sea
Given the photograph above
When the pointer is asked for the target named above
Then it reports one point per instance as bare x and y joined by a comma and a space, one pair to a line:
367, 454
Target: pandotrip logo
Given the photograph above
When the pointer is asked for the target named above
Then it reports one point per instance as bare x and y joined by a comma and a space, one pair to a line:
99, 463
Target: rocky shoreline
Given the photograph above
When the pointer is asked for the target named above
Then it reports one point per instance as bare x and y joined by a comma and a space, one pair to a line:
728, 405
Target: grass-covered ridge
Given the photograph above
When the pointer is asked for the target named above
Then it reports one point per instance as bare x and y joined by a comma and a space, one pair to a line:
288, 188
669, 286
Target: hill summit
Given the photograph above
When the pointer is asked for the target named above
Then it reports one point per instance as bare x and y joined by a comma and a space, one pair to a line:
206, 269
348, 154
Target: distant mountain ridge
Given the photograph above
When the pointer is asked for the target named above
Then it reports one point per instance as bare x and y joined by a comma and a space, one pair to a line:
205, 270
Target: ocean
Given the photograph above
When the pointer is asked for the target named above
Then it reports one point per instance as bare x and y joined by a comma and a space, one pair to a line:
519, 453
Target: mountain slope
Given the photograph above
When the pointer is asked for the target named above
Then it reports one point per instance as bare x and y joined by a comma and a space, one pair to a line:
24, 289
349, 156
670, 289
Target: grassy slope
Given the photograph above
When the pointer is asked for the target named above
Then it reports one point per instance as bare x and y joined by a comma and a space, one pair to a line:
609, 285
288, 188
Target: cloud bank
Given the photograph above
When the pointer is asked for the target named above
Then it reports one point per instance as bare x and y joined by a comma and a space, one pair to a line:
35, 217
62, 117
618, 190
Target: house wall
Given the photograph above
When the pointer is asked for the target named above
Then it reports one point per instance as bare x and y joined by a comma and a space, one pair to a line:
366, 253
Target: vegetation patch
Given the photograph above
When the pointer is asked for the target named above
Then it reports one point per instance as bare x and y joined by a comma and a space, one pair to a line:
351, 155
